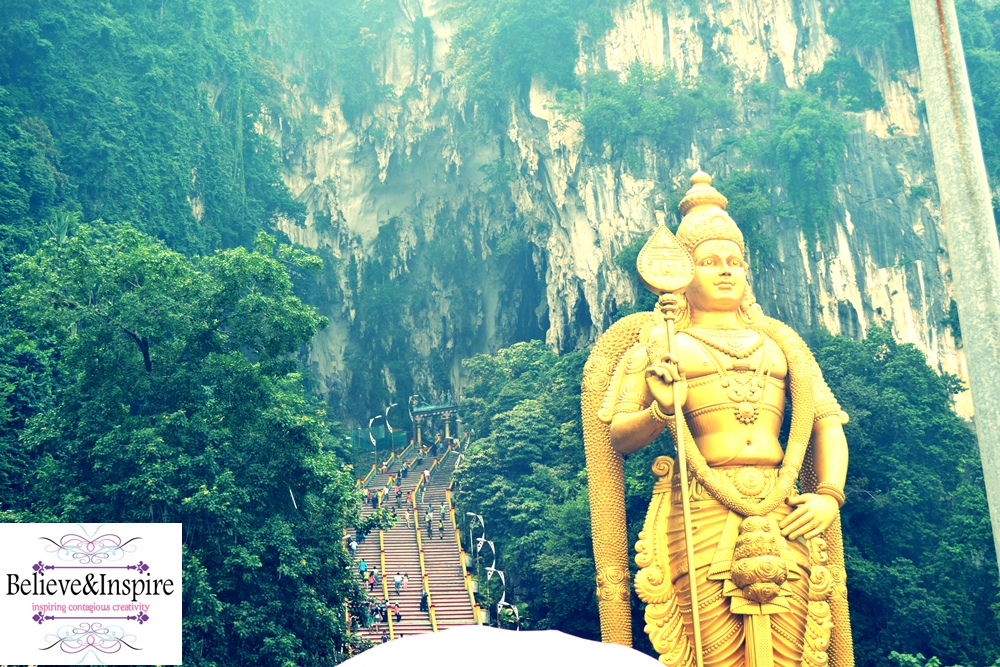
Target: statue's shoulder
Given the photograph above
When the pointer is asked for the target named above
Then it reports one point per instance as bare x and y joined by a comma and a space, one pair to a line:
611, 347
800, 359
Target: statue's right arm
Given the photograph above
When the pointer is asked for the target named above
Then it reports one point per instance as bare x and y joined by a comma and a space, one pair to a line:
632, 425
632, 431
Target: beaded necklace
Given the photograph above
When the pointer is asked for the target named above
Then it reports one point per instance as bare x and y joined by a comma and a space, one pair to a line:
747, 394
735, 343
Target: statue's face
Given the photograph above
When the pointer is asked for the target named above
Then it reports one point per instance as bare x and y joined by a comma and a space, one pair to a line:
720, 277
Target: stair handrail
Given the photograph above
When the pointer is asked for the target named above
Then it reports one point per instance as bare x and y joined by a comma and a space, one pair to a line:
347, 620
423, 567
364, 481
385, 583
461, 556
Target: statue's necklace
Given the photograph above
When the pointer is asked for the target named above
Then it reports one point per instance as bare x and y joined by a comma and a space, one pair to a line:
734, 344
747, 394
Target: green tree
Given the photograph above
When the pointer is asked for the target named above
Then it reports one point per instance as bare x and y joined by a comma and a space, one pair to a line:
922, 574
177, 399
808, 143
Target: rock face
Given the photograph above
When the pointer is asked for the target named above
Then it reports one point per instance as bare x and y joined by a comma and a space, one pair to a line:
443, 242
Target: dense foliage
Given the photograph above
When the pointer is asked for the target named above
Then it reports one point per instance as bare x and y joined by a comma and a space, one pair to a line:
499, 46
922, 571
648, 106
146, 386
146, 112
843, 81
807, 142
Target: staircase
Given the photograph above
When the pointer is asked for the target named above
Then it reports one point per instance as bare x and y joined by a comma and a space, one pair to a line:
452, 605
445, 576
401, 556
397, 545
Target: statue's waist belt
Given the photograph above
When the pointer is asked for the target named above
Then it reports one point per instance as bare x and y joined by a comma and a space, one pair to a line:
750, 481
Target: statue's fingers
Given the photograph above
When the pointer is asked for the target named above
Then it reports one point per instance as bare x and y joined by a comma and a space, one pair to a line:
804, 530
791, 518
674, 375
814, 533
795, 500
799, 525
681, 370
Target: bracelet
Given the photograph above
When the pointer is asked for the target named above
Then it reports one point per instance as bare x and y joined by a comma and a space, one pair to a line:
826, 489
658, 416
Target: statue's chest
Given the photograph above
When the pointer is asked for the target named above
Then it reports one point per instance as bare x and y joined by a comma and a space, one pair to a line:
736, 358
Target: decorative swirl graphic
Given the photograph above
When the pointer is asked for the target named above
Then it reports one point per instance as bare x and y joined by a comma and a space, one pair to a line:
90, 636
90, 551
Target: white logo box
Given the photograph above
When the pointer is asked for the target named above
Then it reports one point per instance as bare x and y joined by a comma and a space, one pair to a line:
90, 594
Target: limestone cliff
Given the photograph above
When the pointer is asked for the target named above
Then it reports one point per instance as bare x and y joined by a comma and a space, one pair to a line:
445, 241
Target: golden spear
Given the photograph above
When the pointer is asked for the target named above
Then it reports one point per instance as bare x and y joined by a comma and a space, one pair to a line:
666, 268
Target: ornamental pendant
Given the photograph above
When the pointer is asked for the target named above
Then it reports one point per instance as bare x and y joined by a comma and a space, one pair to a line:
746, 413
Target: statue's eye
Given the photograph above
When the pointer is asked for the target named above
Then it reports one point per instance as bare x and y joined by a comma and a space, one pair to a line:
736, 262
708, 261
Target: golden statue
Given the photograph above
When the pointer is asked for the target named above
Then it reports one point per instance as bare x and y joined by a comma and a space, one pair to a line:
758, 524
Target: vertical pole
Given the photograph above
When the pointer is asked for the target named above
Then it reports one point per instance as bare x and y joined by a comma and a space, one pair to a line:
973, 249
669, 310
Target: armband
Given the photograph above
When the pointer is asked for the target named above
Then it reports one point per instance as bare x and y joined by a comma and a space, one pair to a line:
658, 415
826, 489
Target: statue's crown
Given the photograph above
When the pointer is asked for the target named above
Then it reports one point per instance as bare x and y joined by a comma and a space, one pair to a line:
705, 217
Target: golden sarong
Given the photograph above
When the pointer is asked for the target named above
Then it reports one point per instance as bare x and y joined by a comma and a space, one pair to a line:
725, 631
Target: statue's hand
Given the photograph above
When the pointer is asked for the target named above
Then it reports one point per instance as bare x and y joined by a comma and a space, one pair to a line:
664, 378
813, 515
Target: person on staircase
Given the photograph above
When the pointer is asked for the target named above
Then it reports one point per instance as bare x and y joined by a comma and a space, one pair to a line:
423, 600
371, 582
362, 569
397, 581
406, 515
430, 523
406, 581
399, 495
441, 526
397, 617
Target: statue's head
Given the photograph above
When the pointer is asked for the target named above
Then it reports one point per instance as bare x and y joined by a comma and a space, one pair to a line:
715, 243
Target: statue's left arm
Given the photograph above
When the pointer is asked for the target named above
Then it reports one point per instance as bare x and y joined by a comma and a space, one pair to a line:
815, 512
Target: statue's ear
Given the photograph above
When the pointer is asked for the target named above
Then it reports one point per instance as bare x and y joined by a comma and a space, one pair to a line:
750, 313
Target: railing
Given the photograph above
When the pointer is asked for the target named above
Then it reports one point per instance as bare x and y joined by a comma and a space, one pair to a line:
347, 620
461, 558
420, 542
364, 482
423, 567
385, 583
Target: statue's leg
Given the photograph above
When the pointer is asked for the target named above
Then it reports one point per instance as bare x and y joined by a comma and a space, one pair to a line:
721, 630
788, 629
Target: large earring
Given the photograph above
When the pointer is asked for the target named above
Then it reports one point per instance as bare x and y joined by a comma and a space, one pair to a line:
683, 318
749, 312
